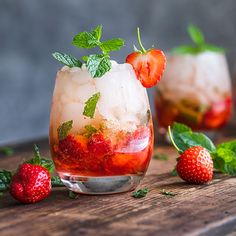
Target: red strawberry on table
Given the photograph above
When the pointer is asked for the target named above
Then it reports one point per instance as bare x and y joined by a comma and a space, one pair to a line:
30, 184
148, 64
195, 165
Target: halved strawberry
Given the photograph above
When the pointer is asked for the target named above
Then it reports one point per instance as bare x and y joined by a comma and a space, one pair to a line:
148, 65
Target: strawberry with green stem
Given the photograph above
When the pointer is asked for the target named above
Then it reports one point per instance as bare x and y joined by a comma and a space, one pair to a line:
148, 64
197, 152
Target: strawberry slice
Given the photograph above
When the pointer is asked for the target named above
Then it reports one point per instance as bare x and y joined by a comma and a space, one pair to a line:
148, 65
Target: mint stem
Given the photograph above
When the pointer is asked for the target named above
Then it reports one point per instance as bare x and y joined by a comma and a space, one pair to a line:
139, 41
172, 140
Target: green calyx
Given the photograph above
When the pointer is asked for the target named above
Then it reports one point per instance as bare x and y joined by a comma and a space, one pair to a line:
199, 45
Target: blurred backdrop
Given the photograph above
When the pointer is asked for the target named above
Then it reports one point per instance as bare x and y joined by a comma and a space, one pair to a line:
30, 30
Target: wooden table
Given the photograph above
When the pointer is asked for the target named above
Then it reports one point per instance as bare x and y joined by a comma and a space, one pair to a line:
194, 210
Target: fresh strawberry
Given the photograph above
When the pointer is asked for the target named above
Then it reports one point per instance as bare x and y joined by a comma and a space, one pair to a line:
30, 184
72, 147
219, 113
99, 146
148, 64
195, 165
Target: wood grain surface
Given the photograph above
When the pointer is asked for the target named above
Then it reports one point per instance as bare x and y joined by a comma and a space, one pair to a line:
194, 210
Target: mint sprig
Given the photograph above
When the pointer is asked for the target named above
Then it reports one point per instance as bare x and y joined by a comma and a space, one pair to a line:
223, 155
199, 44
5, 179
90, 105
67, 60
6, 150
97, 64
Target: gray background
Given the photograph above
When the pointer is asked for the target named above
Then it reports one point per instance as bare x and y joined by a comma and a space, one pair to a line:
30, 30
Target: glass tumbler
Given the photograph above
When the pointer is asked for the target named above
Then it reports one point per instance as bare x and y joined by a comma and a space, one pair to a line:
195, 90
109, 151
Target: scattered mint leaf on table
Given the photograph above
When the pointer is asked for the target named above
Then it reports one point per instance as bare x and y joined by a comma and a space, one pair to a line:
5, 179
160, 156
90, 105
140, 193
56, 181
67, 60
98, 65
64, 129
167, 193
73, 195
6, 150
199, 44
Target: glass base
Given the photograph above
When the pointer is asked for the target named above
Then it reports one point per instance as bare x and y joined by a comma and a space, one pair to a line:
100, 185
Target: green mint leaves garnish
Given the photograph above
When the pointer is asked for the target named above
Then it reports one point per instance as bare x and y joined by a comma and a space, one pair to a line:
90, 105
64, 129
199, 44
223, 155
167, 193
5, 179
140, 193
7, 151
39, 160
67, 60
97, 64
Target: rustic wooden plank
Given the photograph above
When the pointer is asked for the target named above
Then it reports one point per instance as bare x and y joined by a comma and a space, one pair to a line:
195, 210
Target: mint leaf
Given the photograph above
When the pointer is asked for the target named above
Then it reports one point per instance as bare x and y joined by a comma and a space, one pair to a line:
90, 105
174, 172
5, 179
186, 49
178, 128
112, 45
98, 65
90, 130
64, 129
184, 138
73, 195
212, 48
86, 40
160, 156
224, 157
196, 139
167, 193
140, 193
67, 60
7, 151
56, 181
97, 32
196, 35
